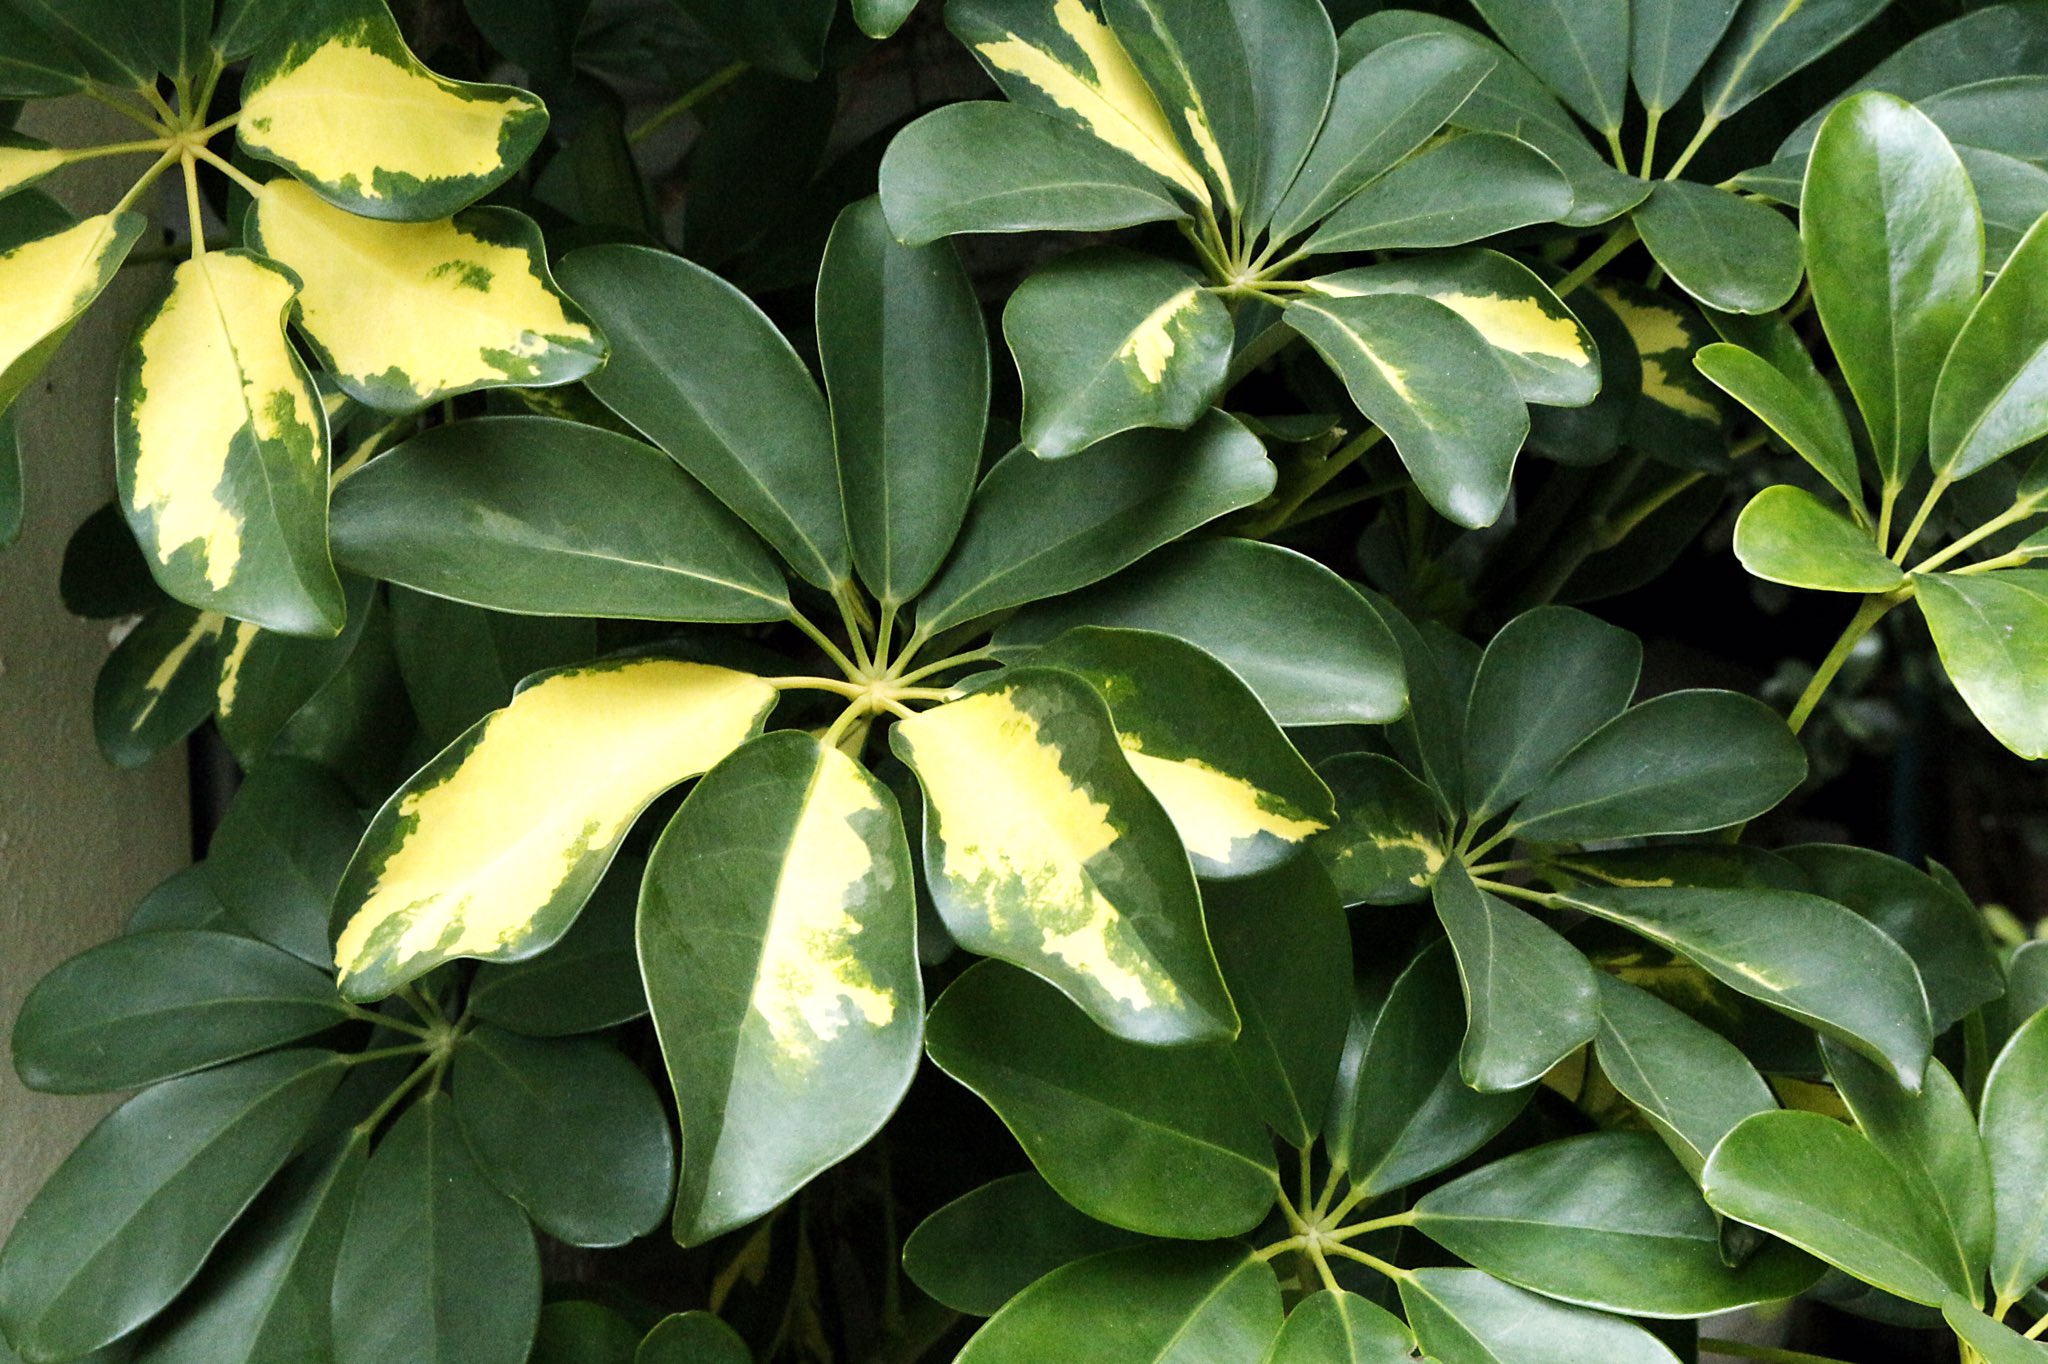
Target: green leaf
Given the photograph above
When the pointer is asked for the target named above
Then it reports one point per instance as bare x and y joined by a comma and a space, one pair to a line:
1106, 340
1388, 842
881, 18
1580, 49
1804, 956
1145, 1305
127, 45
1328, 659
573, 1332
1983, 626
461, 663
150, 1006
1787, 392
521, 514
1473, 186
1670, 40
906, 363
1401, 1111
1993, 1341
1692, 1085
1529, 994
104, 576
937, 177
280, 852
1160, 1140
11, 508
436, 1266
491, 849
1992, 396
1290, 98
1548, 352
1239, 795
1336, 1327
158, 685
221, 449
33, 64
1608, 1220
1549, 680
1825, 1188
484, 311
128, 1218
986, 1247
1387, 105
1787, 535
266, 678
1726, 251
1771, 39
1894, 248
1429, 379
1038, 528
1462, 1316
1285, 950
339, 100
702, 372
184, 899
1077, 873
587, 982
786, 37
693, 1338
1201, 69
778, 942
2014, 1098
570, 1130
1430, 739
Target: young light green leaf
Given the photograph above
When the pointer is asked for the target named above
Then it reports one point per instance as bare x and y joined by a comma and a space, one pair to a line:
1077, 873
1160, 1140
1670, 40
1692, 1085
986, 1247
1992, 396
1771, 39
1579, 48
1795, 402
2014, 1099
1336, 1327
906, 363
1726, 251
1549, 679
1530, 997
1109, 339
1388, 842
1430, 380
1462, 1316
1983, 625
1472, 186
1787, 535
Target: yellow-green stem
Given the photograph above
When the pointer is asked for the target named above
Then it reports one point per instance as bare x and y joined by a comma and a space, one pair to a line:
1935, 490
1656, 120
1692, 148
2013, 515
1872, 610
1618, 241
689, 100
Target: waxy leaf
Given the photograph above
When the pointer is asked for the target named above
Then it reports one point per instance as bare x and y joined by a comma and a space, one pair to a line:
1145, 1305
1548, 352
1039, 528
1110, 339
1580, 49
128, 1218
1728, 252
1607, 1220
459, 663
906, 363
1894, 247
266, 678
786, 37
342, 103
1328, 659
1993, 1341
149, 1006
1692, 1085
33, 64
1549, 679
1985, 626
986, 1247
1771, 39
1159, 1140
1459, 191
1992, 396
1462, 1316
777, 939
570, 1130
2012, 1122
1430, 380
529, 514
127, 45
1670, 40
50, 273
435, 1264
1787, 392
1239, 795
587, 982
1787, 535
221, 449
1202, 69
693, 1338
492, 848
1076, 873
1530, 996
937, 177
881, 18
1336, 1327
1821, 1185
701, 372
1677, 414
279, 853
158, 685
1388, 843
1290, 98
481, 309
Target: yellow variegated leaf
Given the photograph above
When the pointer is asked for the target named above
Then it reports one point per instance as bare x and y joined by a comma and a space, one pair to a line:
1076, 67
220, 445
1216, 812
1678, 418
1043, 849
492, 848
479, 308
346, 107
46, 283
23, 161
158, 685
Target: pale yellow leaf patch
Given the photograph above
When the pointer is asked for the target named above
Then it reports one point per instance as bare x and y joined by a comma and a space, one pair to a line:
347, 111
21, 166
1521, 325
206, 627
1151, 345
470, 307
1112, 99
809, 977
1205, 139
241, 637
1660, 333
1212, 810
44, 283
1015, 828
214, 363
554, 776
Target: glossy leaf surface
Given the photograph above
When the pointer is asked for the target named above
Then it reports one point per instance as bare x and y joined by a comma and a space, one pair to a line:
2019, 1164
1462, 1316
1982, 624
1530, 997
1787, 535
986, 1247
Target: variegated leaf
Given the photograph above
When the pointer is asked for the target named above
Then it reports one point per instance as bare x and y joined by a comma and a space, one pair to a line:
778, 934
158, 684
342, 103
48, 279
480, 309
25, 160
1238, 794
491, 849
1044, 849
220, 444
1678, 417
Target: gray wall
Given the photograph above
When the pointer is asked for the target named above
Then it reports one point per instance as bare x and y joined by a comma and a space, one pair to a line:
80, 843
